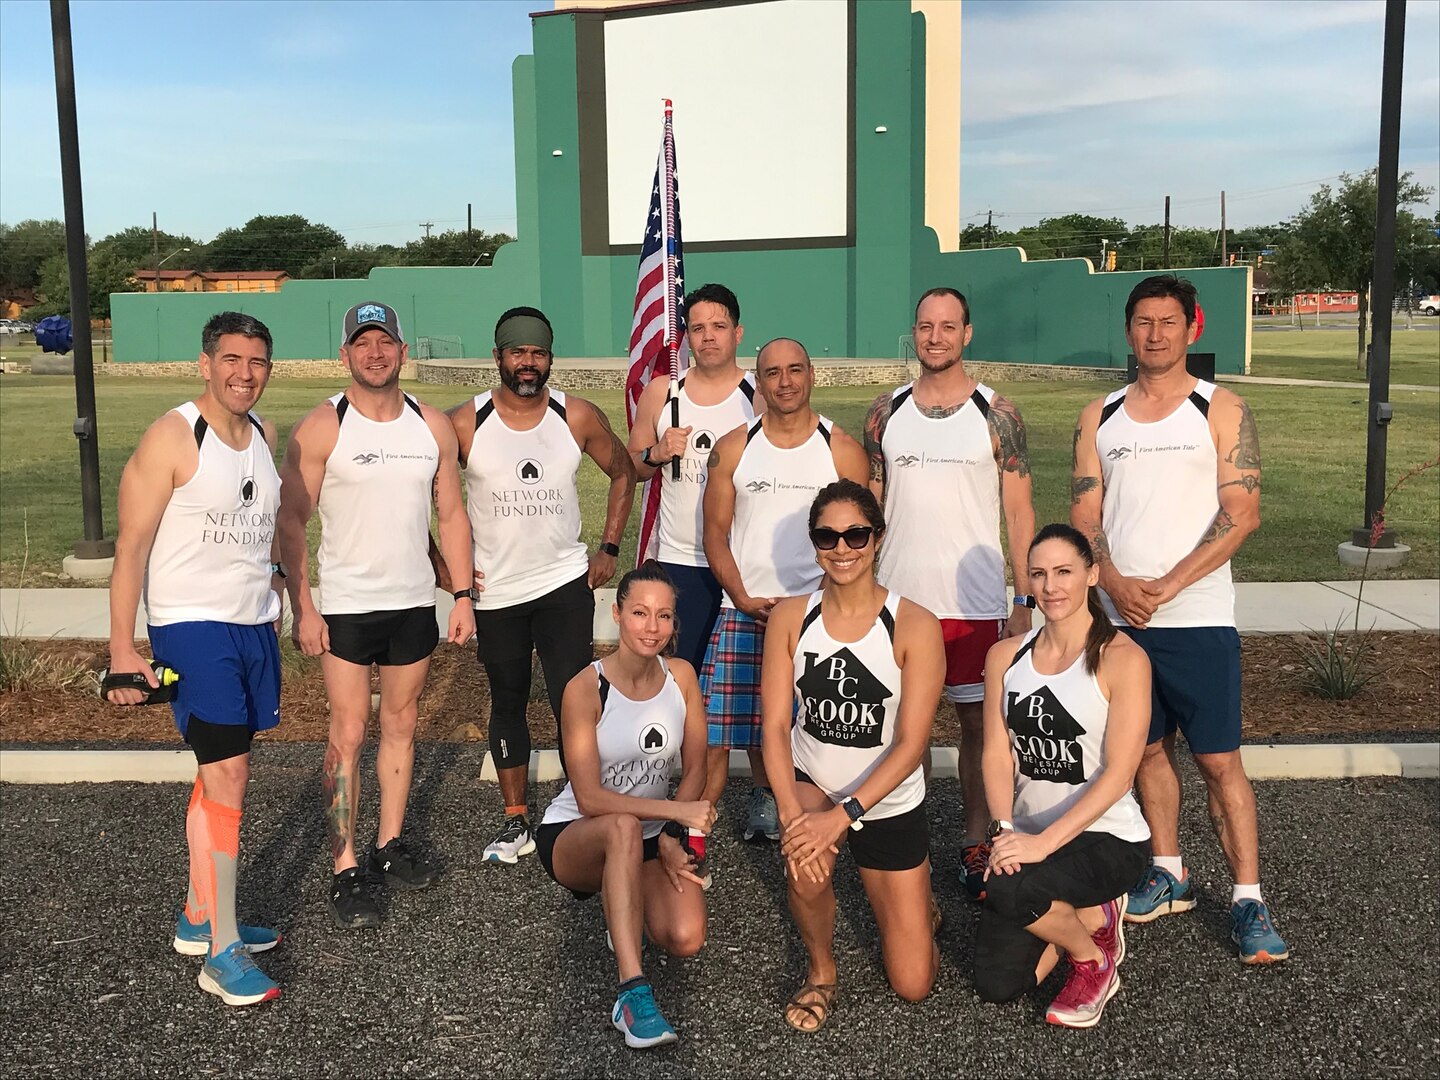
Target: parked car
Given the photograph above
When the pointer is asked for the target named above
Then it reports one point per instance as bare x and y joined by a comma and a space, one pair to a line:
10, 326
1429, 305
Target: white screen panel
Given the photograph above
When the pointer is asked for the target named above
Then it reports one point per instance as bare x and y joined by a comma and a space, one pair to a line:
761, 118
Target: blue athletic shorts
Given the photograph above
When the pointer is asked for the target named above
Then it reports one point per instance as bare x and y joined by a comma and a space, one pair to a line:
229, 674
697, 605
1194, 684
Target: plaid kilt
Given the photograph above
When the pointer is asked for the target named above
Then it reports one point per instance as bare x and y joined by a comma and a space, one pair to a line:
730, 680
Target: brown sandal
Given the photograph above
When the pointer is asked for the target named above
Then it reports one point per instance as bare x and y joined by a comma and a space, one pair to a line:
937, 919
817, 1010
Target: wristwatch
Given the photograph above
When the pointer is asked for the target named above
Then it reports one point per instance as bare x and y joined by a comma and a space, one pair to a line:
852, 807
278, 568
464, 594
676, 830
645, 458
1024, 600
613, 550
996, 827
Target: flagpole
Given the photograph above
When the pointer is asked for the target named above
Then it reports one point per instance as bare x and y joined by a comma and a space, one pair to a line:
672, 317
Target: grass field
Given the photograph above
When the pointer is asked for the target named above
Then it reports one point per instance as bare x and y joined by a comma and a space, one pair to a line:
1330, 354
1313, 442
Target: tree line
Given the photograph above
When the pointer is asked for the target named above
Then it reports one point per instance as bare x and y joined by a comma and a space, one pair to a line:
32, 256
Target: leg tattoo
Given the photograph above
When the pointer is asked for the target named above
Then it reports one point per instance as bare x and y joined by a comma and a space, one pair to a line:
338, 803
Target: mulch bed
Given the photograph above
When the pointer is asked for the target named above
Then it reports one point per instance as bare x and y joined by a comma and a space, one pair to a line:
1404, 697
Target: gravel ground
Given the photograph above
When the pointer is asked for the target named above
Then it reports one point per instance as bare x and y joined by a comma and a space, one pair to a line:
497, 972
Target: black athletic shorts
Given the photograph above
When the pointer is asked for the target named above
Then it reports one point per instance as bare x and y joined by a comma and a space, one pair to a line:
901, 842
388, 638
217, 742
546, 835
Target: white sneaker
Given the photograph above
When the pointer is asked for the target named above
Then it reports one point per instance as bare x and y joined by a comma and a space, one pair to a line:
514, 840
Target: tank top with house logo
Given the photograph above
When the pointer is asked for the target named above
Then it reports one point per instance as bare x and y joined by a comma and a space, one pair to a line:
375, 513
849, 700
1057, 739
942, 509
1161, 497
770, 533
639, 744
210, 561
523, 504
681, 533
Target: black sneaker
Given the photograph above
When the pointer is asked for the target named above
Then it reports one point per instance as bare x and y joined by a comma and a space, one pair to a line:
351, 905
974, 861
401, 868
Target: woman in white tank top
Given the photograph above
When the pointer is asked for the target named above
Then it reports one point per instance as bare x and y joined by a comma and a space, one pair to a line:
1067, 713
866, 668
629, 721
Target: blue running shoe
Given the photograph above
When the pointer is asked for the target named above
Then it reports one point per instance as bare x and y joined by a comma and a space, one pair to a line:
637, 1017
763, 816
1159, 893
234, 979
193, 939
1253, 932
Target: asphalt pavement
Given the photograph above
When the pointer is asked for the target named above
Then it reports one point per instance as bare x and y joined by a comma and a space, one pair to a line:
497, 971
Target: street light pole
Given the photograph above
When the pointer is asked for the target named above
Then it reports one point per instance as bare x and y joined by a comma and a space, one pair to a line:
94, 547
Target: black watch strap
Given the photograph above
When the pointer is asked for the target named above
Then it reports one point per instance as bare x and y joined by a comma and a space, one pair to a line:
464, 594
676, 830
613, 550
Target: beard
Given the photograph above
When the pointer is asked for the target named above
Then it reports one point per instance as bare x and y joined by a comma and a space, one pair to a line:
936, 368
511, 381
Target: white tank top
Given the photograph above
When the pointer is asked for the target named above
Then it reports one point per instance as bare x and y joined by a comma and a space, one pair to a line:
523, 504
1160, 498
849, 700
375, 513
681, 527
770, 533
210, 560
1057, 739
942, 509
639, 744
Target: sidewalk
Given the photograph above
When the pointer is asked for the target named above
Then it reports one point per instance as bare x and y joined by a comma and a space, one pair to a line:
1260, 607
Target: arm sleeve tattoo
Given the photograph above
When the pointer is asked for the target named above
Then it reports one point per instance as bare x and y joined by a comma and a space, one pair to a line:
1009, 431
875, 435
1246, 452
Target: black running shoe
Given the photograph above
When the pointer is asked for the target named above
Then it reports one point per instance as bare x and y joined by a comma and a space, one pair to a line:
401, 868
351, 905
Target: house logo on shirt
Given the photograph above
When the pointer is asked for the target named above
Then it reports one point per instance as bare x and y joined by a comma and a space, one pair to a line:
653, 739
529, 471
703, 441
247, 491
843, 701
1045, 737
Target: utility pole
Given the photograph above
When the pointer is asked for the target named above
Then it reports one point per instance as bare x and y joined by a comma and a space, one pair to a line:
1383, 283
427, 226
155, 237
1165, 264
92, 552
1223, 260
989, 228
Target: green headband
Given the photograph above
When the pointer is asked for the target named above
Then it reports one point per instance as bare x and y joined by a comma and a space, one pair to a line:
523, 330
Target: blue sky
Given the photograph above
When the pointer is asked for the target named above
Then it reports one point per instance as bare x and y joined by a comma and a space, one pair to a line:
373, 117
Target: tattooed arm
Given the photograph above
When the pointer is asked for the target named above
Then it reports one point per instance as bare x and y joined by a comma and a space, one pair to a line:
1237, 446
1012, 456
875, 421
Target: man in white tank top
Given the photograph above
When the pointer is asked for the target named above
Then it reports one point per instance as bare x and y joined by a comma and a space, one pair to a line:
949, 457
762, 480
1166, 485
716, 396
521, 444
197, 526
369, 459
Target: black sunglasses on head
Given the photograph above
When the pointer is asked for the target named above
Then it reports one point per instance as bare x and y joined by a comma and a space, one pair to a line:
856, 538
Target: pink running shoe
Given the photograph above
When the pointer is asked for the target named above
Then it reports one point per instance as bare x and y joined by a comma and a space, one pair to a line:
1084, 995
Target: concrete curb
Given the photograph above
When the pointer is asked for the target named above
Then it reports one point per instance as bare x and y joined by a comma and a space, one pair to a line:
1299, 761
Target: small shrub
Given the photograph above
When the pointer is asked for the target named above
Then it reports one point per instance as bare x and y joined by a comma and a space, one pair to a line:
1333, 666
24, 666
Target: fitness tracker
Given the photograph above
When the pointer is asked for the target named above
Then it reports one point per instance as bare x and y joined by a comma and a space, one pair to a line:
613, 550
855, 811
1024, 600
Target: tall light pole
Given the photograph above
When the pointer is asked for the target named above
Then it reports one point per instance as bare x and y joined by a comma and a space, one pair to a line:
163, 261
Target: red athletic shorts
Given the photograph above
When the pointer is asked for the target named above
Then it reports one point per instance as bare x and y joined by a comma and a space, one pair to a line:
966, 643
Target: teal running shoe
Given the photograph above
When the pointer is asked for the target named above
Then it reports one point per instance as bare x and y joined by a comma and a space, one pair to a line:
637, 1017
1254, 934
193, 939
234, 979
1158, 893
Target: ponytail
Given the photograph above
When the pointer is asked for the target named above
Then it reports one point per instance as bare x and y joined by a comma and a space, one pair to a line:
1101, 628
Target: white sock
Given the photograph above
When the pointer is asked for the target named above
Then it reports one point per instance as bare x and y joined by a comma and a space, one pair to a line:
1171, 864
1246, 892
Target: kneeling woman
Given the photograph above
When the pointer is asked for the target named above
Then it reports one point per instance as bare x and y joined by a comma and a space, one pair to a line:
866, 669
1067, 713
629, 721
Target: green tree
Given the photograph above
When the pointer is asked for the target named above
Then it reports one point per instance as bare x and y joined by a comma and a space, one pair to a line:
286, 242
355, 261
24, 248
108, 273
136, 245
454, 247
1336, 232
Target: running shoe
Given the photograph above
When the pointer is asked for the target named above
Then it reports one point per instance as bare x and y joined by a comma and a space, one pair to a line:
1083, 997
1159, 893
351, 905
401, 868
193, 939
974, 861
637, 1017
514, 840
1253, 932
1111, 936
763, 818
234, 979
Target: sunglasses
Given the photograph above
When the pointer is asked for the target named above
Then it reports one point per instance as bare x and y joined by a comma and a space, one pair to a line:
855, 538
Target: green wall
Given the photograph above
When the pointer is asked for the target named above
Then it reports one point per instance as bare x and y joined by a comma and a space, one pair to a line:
840, 301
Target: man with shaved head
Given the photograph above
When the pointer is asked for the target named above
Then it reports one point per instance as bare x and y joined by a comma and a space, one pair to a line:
762, 480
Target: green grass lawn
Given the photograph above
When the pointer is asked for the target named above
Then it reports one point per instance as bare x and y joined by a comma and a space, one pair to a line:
1313, 442
1330, 354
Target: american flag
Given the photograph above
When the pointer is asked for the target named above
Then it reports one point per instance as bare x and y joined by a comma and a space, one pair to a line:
656, 345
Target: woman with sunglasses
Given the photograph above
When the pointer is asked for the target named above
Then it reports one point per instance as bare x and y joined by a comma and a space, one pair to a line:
860, 670
1067, 713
